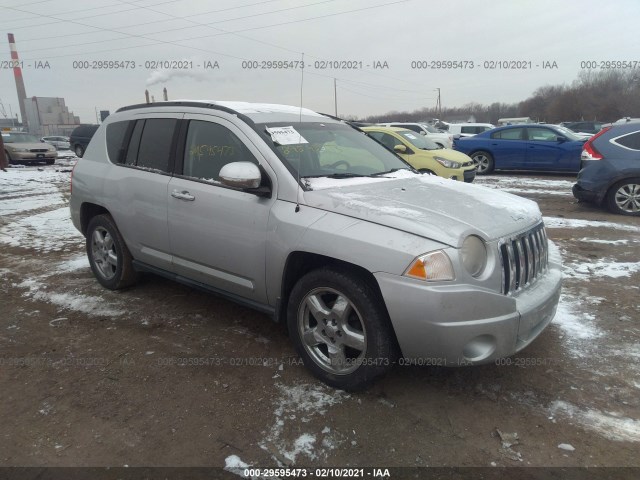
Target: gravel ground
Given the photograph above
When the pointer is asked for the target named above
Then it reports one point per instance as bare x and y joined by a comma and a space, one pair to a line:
162, 375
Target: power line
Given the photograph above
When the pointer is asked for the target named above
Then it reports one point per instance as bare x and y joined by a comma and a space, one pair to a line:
74, 12
156, 41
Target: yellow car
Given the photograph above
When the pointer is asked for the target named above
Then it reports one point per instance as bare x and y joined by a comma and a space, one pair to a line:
423, 154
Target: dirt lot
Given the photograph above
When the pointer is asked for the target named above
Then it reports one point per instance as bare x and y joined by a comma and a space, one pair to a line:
161, 375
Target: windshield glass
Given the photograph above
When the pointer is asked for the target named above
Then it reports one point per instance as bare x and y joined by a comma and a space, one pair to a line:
329, 149
419, 141
430, 128
13, 137
568, 133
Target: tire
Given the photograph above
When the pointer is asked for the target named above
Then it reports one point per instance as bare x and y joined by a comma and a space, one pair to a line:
348, 342
624, 197
79, 150
109, 257
50, 162
484, 162
9, 159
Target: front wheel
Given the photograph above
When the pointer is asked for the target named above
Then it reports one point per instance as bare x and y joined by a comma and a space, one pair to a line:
109, 257
624, 197
341, 329
79, 151
483, 161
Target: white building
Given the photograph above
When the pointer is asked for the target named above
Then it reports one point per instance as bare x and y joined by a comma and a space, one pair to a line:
49, 116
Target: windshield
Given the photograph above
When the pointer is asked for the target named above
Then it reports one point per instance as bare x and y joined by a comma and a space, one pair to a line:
329, 149
12, 137
419, 141
569, 133
430, 128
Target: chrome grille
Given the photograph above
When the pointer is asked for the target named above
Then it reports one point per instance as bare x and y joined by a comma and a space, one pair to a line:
39, 150
524, 257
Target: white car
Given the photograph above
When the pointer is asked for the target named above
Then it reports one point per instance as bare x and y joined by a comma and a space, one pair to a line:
468, 129
61, 143
445, 140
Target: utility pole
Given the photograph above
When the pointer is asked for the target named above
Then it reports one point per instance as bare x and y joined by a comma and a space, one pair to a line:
439, 106
335, 97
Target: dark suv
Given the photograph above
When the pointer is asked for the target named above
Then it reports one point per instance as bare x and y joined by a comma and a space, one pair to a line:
583, 127
610, 171
80, 138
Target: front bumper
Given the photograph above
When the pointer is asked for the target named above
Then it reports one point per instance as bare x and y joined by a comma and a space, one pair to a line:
452, 325
33, 157
469, 175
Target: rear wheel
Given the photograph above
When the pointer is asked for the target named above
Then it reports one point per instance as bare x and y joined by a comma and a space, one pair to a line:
79, 150
109, 257
340, 328
624, 197
484, 162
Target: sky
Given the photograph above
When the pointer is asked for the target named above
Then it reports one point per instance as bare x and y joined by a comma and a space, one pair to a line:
372, 56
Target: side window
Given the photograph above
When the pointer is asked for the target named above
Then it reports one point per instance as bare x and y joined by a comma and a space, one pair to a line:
468, 130
116, 133
210, 147
155, 144
631, 141
389, 141
134, 144
542, 135
415, 128
509, 134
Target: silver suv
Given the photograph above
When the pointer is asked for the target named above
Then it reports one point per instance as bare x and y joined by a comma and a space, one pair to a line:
305, 218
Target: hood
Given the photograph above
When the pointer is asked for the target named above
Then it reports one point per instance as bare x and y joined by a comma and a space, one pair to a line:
432, 207
30, 145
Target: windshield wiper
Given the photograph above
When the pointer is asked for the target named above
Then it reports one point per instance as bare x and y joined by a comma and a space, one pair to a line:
336, 175
388, 171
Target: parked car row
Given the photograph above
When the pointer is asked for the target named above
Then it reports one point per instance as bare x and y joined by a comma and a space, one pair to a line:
444, 140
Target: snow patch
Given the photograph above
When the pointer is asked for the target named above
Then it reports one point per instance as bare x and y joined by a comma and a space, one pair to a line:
46, 232
611, 425
302, 402
579, 328
601, 268
556, 222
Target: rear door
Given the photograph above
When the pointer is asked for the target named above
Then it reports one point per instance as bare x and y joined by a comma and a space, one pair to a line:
217, 233
138, 189
508, 148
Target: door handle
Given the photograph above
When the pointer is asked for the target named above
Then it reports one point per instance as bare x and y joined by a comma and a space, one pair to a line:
183, 195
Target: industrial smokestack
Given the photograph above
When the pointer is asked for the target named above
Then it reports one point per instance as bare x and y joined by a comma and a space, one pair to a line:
146, 96
164, 94
17, 73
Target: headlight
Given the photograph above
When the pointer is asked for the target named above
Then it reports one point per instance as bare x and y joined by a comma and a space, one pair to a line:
14, 149
474, 255
434, 266
447, 163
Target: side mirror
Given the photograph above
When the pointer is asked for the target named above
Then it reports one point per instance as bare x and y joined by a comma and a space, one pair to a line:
422, 132
245, 175
560, 139
400, 149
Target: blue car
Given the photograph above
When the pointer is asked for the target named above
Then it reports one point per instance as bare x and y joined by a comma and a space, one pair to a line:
547, 148
611, 169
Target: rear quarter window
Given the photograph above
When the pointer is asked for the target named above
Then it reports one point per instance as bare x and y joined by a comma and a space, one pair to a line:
116, 133
631, 141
